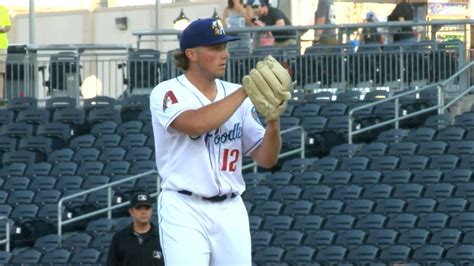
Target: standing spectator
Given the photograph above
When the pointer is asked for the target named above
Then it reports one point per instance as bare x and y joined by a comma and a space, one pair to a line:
238, 15
138, 244
271, 16
370, 35
325, 15
5, 25
403, 12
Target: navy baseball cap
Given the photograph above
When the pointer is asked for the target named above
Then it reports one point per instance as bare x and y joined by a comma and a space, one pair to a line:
204, 32
139, 199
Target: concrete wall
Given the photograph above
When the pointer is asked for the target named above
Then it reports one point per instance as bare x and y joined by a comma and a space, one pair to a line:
98, 26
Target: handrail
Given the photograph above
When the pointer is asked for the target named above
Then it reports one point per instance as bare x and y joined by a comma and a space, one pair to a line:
109, 207
6, 240
440, 106
300, 150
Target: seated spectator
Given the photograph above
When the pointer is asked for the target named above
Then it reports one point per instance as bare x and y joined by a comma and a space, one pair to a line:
271, 16
238, 15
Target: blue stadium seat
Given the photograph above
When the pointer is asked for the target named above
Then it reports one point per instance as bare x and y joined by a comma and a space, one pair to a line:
392, 135
6, 116
427, 176
438, 121
292, 238
298, 208
371, 221
20, 197
104, 128
307, 109
358, 163
64, 168
307, 179
382, 238
445, 161
350, 238
429, 253
86, 256
344, 150
373, 149
38, 169
48, 243
133, 140
451, 134
395, 253
404, 148
72, 116
414, 162
297, 164
278, 223
464, 220
33, 116
19, 156
109, 140
421, 205
345, 192
463, 147
433, 221
17, 183
447, 237
261, 239
258, 193
277, 179
18, 104
402, 221
82, 141
332, 109
331, 254
116, 168
256, 222
367, 177
391, 205
461, 254
268, 207
359, 206
129, 127
61, 155
269, 254
414, 237
325, 164
308, 223
337, 177
57, 256
13, 169
69, 182
434, 147
27, 256
397, 176
377, 191
253, 179
287, 193
86, 155
24, 212
383, 163
41, 183
300, 254
319, 238
317, 192
452, 205
457, 175
117, 153
328, 207
410, 190
60, 102
439, 190
102, 225
101, 241
363, 253
77, 240
340, 222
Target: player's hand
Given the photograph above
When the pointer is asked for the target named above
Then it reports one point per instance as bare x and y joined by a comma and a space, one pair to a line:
268, 86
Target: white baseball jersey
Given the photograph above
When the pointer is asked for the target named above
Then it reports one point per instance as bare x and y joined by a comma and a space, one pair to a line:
210, 164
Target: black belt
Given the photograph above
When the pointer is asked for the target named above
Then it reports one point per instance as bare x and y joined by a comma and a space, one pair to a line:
217, 198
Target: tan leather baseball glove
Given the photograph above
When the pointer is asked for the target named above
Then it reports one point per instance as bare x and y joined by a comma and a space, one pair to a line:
268, 86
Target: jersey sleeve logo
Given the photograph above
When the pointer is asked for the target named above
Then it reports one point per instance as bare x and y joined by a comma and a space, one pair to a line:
169, 99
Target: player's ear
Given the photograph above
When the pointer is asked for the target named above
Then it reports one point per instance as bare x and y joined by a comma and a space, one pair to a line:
190, 54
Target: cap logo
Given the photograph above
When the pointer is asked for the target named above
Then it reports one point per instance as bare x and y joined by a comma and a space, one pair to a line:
142, 197
217, 28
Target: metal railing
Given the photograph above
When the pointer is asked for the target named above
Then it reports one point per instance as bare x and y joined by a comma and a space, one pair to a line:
440, 106
109, 207
6, 240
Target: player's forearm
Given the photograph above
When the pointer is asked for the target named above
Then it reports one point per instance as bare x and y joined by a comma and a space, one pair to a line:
209, 117
266, 155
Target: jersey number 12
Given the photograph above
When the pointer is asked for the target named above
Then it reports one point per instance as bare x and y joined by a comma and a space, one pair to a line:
229, 160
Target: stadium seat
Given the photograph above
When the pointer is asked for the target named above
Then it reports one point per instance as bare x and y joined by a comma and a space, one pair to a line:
392, 135
326, 164
395, 253
421, 205
427, 176
463, 220
438, 121
414, 237
38, 169
391, 205
85, 256
298, 208
17, 183
452, 205
118, 153
109, 140
6, 116
64, 168
57, 256
297, 164
384, 163
463, 147
268, 207
411, 190
27, 256
359, 206
93, 181
132, 106
345, 150
445, 161
277, 179
40, 183
261, 239
414, 162
19, 156
102, 225
405, 148
140, 167
72, 116
133, 140
371, 221
82, 141
104, 128
317, 192
24, 212
287, 193
433, 221
253, 179
47, 196
350, 238
439, 190
278, 223
428, 253
328, 207
331, 254
332, 109
5, 210
345, 192
300, 254
314, 123
363, 253
307, 179
366, 177
451, 134
33, 116
95, 116
292, 238
48, 243
397, 176
461, 254
59, 102
306, 110
457, 176
13, 169
86, 155
18, 104
340, 222
116, 168
402, 221
373, 149
447, 237
434, 147
337, 177
129, 127
358, 163
377, 191
308, 223
256, 223
20, 197
269, 254
77, 240
101, 241
69, 182
319, 238
382, 238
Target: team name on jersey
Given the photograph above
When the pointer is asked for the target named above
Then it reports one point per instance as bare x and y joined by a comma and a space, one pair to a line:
231, 135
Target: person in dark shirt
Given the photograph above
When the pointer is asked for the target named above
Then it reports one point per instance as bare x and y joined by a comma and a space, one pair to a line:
403, 12
271, 16
138, 244
325, 15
